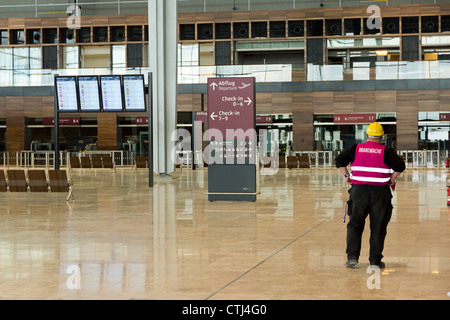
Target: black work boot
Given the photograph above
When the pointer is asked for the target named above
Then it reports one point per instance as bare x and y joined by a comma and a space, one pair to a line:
352, 262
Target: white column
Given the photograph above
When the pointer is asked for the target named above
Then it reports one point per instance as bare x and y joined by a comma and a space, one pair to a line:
163, 40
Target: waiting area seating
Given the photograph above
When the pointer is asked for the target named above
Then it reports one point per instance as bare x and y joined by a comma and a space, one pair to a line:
141, 162
98, 161
291, 162
18, 180
303, 162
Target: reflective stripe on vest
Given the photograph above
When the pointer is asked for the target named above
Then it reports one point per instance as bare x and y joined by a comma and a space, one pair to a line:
367, 179
371, 169
369, 166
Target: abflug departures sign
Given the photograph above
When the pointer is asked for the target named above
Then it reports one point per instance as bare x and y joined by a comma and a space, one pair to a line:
231, 105
231, 127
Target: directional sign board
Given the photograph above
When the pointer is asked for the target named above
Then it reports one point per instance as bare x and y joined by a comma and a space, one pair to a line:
231, 115
231, 127
231, 104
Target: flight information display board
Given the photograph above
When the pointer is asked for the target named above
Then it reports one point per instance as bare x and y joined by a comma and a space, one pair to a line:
134, 92
89, 93
66, 93
111, 90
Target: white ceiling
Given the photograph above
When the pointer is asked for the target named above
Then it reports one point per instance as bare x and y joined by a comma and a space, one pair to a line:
52, 8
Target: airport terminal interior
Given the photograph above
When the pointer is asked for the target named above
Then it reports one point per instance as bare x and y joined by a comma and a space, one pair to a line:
106, 204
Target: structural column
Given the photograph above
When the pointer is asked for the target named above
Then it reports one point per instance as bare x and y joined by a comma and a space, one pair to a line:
303, 121
163, 39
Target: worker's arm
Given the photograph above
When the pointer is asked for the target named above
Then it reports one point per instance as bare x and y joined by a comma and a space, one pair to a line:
346, 174
343, 159
394, 177
393, 160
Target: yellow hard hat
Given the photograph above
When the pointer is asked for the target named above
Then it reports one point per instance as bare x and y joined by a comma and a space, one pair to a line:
375, 129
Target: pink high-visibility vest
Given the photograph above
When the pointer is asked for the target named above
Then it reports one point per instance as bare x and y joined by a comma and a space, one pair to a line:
369, 166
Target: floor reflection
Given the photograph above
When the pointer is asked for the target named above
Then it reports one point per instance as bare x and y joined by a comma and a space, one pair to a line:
122, 240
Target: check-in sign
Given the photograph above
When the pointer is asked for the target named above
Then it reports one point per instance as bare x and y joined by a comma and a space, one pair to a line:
354, 118
231, 106
444, 116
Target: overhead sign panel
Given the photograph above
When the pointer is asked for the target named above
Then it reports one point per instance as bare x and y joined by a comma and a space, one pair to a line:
134, 92
66, 94
89, 93
111, 89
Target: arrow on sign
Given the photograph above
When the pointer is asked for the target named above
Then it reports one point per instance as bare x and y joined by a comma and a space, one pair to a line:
213, 85
248, 101
213, 116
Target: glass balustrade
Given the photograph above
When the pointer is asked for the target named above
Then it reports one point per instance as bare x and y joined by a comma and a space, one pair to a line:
381, 70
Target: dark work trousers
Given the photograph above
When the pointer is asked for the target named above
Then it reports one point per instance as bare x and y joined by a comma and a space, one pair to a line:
374, 201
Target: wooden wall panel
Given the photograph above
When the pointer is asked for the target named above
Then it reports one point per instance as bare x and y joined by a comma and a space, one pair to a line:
16, 23
32, 107
314, 13
274, 15
385, 101
364, 101
48, 106
323, 102
15, 124
190, 102
354, 12
3, 107
444, 100
33, 22
264, 103
343, 102
241, 15
303, 106
333, 13
107, 131
295, 14
281, 102
15, 133
444, 8
303, 121
428, 100
259, 15
197, 102
407, 120
184, 102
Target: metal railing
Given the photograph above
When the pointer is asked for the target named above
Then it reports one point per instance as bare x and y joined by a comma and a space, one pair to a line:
318, 159
31, 159
423, 158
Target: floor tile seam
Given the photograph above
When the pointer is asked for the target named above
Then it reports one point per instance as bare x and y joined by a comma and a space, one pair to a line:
267, 259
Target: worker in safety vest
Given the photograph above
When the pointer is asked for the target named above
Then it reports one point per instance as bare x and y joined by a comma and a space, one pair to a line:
374, 170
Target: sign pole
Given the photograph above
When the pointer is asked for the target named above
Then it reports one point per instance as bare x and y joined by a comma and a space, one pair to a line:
56, 127
150, 129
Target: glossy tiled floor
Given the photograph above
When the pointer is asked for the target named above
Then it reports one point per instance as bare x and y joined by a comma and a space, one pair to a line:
123, 240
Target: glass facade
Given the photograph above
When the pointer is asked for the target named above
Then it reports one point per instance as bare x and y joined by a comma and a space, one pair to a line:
434, 131
331, 136
353, 53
